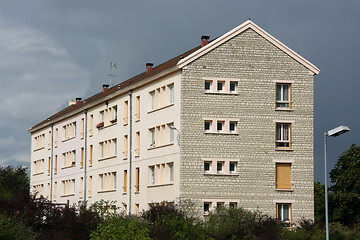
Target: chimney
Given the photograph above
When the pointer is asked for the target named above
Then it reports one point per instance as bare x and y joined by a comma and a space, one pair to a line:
204, 40
149, 67
78, 100
105, 87
71, 102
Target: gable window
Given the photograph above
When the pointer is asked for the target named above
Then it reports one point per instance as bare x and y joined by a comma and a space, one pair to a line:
232, 127
207, 125
219, 167
220, 86
233, 86
207, 167
208, 85
283, 135
232, 167
283, 96
207, 206
219, 125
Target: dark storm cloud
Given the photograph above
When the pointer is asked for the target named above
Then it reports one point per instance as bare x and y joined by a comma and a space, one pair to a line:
54, 51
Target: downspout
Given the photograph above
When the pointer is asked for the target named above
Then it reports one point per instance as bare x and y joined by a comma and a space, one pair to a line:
51, 161
85, 151
130, 149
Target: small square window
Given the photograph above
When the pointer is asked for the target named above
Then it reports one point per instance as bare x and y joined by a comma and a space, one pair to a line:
232, 127
233, 204
219, 166
207, 85
220, 86
207, 166
233, 86
207, 125
232, 167
220, 204
220, 126
207, 206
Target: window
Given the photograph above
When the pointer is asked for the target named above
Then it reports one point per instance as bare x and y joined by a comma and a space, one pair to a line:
233, 204
39, 166
283, 135
220, 125
207, 125
283, 96
69, 158
49, 140
137, 144
137, 112
171, 132
208, 85
126, 112
233, 86
90, 186
69, 131
171, 172
125, 152
232, 167
56, 137
153, 100
171, 93
283, 213
49, 165
81, 191
39, 190
55, 190
220, 85
107, 181
125, 181
55, 165
68, 187
137, 183
207, 206
91, 127
152, 137
82, 128
82, 157
137, 209
219, 167
207, 167
108, 148
152, 175
220, 204
39, 142
91, 156
232, 127
283, 175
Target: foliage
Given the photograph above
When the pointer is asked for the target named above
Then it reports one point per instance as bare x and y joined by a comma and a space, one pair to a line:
237, 223
10, 230
319, 202
346, 190
13, 181
170, 222
121, 228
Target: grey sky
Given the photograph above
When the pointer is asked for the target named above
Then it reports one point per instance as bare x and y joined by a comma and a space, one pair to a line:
54, 51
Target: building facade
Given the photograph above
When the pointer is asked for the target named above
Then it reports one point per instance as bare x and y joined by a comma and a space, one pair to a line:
227, 123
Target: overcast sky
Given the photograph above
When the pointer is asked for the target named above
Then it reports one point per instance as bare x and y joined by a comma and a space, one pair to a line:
54, 51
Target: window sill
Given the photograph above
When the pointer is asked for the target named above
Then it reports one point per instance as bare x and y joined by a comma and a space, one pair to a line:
68, 167
124, 193
68, 195
284, 149
137, 120
284, 190
106, 158
221, 92
221, 174
107, 126
105, 191
161, 146
38, 149
160, 108
222, 133
137, 192
160, 185
68, 139
39, 173
284, 109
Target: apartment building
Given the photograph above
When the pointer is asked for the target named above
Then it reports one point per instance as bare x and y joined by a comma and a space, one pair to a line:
229, 122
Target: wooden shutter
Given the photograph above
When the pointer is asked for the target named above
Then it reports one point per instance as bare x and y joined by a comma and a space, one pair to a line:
283, 175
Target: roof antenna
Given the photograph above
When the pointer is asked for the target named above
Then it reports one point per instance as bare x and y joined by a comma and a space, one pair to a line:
113, 66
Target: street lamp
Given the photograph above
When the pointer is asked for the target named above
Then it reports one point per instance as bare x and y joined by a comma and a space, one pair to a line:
178, 137
331, 133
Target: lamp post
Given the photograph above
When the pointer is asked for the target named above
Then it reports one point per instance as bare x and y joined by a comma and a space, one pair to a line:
331, 133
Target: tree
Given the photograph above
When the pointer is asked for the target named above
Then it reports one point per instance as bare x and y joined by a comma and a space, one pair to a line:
319, 202
13, 181
345, 199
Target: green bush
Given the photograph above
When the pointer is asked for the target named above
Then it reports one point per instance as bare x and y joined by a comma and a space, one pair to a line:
10, 230
121, 228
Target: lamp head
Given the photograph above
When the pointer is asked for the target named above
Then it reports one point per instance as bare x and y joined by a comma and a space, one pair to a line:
338, 131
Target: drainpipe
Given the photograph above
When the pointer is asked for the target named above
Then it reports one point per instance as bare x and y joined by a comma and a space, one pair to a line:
51, 161
130, 149
85, 151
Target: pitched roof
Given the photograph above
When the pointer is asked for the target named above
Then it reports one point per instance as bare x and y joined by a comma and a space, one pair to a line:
241, 28
119, 87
